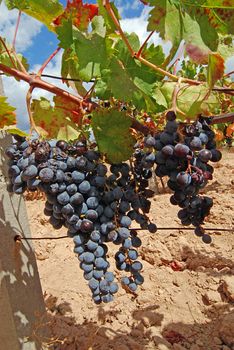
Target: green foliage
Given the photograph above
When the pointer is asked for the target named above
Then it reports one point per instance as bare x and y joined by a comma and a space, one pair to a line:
111, 130
12, 62
43, 10
197, 22
98, 53
191, 100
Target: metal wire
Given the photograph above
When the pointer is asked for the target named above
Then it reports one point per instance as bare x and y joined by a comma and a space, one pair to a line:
19, 237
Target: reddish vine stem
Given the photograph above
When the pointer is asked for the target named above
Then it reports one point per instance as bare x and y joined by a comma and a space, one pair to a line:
39, 83
138, 54
8, 52
106, 4
16, 29
39, 73
223, 118
229, 73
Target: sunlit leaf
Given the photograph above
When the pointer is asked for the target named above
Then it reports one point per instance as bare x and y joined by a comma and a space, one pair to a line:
191, 100
80, 14
43, 10
215, 68
91, 51
15, 131
9, 59
53, 120
7, 115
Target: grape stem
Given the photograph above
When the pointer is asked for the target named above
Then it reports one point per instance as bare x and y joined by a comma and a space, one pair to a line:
223, 118
33, 126
39, 73
138, 54
8, 52
16, 29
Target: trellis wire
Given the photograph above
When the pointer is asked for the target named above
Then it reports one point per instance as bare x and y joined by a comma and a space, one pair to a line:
19, 237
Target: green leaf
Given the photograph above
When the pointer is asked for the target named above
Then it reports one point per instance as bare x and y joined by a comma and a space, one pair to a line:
197, 22
110, 26
70, 69
111, 131
68, 133
65, 33
215, 69
7, 115
154, 54
15, 131
43, 10
11, 62
191, 100
91, 51
53, 120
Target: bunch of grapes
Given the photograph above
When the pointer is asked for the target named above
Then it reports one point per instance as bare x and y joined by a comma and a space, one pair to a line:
97, 204
183, 156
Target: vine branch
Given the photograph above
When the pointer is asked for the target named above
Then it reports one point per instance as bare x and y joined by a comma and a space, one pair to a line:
144, 43
223, 118
16, 29
39, 73
8, 52
106, 4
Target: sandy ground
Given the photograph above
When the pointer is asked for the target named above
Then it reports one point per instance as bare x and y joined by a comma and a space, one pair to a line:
186, 302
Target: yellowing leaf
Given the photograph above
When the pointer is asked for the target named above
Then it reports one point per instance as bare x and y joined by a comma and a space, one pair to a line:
52, 121
7, 115
215, 68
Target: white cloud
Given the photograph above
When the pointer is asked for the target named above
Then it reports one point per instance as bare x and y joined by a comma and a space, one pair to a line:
28, 28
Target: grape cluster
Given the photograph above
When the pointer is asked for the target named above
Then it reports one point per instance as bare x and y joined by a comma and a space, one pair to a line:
183, 157
97, 204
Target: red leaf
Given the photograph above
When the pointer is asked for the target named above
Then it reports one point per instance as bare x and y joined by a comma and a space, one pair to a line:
80, 13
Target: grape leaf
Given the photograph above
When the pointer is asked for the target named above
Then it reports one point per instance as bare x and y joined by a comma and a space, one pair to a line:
50, 120
110, 26
196, 22
68, 133
7, 115
11, 62
70, 69
91, 50
15, 131
111, 131
127, 79
215, 68
43, 10
191, 100
80, 14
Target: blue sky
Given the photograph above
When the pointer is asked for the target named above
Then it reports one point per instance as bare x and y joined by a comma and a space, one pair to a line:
46, 41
